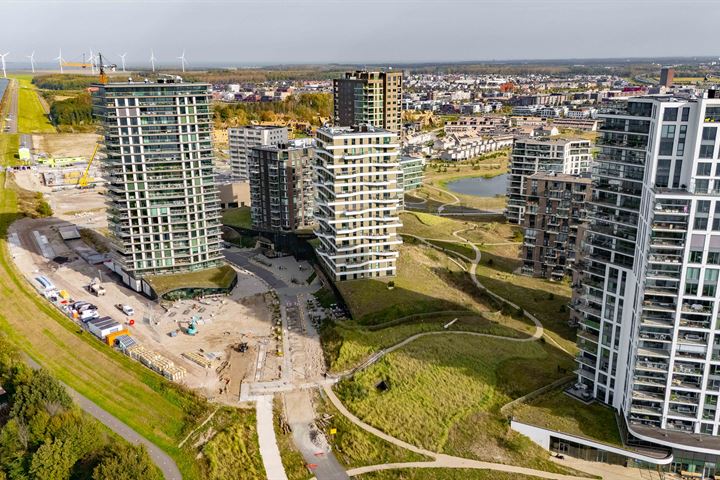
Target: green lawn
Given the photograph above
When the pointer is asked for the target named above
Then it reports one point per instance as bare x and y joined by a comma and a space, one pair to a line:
9, 144
237, 217
152, 406
31, 115
219, 277
442, 474
445, 392
557, 411
354, 447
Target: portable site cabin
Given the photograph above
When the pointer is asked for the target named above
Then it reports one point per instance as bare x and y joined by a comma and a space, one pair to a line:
123, 342
102, 327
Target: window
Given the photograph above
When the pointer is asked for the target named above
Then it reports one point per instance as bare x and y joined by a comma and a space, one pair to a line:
667, 139
712, 114
681, 140
706, 151
662, 177
701, 223
709, 133
704, 168
696, 256
676, 174
713, 258
703, 207
685, 114
710, 283
670, 115
701, 186
692, 278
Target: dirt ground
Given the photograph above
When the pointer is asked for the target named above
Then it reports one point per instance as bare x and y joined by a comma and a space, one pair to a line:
84, 208
66, 144
246, 315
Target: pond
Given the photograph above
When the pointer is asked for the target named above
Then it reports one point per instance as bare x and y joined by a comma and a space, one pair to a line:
482, 187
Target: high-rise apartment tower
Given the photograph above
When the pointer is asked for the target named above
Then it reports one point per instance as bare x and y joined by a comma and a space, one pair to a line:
373, 98
357, 201
649, 335
163, 208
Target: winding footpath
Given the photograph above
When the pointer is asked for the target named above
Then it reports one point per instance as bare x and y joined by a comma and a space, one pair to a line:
439, 460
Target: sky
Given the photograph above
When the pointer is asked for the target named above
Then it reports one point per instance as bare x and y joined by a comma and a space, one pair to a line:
262, 32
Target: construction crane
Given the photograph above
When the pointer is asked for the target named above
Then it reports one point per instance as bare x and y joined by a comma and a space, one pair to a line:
101, 66
84, 178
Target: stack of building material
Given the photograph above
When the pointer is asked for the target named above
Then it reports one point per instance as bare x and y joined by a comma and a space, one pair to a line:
198, 358
156, 362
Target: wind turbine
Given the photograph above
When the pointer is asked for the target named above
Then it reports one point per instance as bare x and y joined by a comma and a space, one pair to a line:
122, 58
182, 60
2, 58
60, 59
152, 60
32, 61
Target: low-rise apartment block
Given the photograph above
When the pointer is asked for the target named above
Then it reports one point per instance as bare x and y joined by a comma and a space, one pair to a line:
242, 139
357, 201
282, 193
554, 223
546, 154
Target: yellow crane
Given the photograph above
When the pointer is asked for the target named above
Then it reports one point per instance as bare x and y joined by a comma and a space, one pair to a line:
84, 178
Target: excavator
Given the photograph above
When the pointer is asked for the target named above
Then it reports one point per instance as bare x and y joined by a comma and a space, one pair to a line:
192, 329
84, 179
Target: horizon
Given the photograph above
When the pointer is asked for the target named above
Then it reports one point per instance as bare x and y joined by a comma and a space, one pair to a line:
274, 32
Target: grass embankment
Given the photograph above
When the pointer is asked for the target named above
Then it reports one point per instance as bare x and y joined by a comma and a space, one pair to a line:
155, 408
354, 447
557, 411
444, 393
442, 474
237, 217
228, 446
31, 113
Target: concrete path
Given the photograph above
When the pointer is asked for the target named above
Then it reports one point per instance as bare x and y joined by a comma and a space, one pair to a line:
269, 451
166, 464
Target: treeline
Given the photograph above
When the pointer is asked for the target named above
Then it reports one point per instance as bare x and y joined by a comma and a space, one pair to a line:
306, 107
73, 110
43, 435
64, 81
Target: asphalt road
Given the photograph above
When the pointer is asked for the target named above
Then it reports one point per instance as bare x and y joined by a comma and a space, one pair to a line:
242, 259
166, 464
12, 111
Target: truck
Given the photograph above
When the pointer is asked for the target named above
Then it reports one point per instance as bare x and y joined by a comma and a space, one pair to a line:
126, 309
96, 288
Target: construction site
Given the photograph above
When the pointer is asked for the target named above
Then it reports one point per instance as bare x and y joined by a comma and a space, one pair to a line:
212, 344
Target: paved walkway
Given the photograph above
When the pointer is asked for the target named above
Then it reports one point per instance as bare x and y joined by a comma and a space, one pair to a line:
166, 464
269, 450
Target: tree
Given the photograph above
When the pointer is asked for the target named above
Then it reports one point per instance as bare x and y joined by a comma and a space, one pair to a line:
42, 391
126, 463
51, 461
